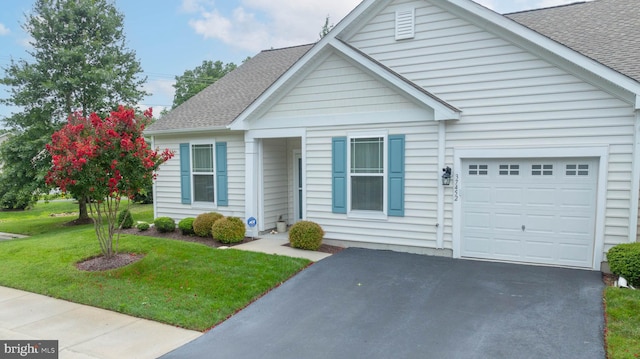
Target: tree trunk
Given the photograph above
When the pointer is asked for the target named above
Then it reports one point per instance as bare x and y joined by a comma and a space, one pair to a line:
83, 216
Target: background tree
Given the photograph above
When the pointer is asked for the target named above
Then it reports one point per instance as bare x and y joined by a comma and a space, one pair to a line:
325, 28
193, 81
79, 63
104, 160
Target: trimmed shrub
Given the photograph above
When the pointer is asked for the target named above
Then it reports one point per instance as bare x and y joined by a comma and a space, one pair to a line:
186, 226
228, 230
204, 222
624, 260
125, 219
165, 224
306, 235
143, 226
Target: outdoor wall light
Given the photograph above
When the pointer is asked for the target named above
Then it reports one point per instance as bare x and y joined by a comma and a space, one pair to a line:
446, 176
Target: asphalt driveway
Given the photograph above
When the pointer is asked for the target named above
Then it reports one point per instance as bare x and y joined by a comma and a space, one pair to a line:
379, 304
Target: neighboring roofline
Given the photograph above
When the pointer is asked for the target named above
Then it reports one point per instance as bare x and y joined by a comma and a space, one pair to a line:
564, 52
186, 130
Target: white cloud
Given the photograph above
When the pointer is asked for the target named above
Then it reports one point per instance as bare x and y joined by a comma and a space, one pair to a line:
4, 30
162, 88
549, 3
259, 24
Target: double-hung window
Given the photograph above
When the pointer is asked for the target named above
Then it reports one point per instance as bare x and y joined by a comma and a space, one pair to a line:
366, 173
203, 173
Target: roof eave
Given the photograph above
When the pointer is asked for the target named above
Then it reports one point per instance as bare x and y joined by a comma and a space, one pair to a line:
180, 131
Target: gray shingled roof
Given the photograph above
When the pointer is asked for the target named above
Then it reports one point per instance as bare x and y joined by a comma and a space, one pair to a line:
607, 31
219, 104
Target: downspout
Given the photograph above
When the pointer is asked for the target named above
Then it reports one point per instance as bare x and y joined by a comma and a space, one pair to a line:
635, 175
441, 188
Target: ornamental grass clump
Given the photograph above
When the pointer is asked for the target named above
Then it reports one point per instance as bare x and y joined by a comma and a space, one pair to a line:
228, 230
165, 224
186, 226
306, 235
204, 222
624, 260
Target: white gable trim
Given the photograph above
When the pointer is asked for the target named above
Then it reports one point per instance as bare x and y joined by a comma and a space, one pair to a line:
441, 110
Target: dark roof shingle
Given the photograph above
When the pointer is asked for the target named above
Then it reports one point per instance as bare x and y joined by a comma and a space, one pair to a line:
607, 31
220, 103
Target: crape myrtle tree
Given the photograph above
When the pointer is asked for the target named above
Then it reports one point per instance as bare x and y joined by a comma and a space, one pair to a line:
78, 63
104, 160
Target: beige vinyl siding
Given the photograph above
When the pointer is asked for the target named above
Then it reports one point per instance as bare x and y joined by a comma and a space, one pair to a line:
508, 97
275, 180
337, 87
418, 226
167, 188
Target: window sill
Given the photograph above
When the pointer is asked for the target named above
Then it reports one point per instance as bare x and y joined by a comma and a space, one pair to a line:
367, 215
203, 205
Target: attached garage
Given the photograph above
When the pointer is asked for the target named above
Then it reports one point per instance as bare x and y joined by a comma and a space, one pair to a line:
533, 210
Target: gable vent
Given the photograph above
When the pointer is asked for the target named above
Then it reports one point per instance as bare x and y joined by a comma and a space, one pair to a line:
405, 24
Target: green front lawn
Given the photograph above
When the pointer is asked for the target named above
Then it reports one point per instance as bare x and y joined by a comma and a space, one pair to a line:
180, 283
623, 323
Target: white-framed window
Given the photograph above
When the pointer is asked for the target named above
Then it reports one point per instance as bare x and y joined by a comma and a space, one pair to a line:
203, 172
367, 173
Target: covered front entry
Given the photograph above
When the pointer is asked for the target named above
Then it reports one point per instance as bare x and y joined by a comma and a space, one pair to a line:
280, 184
534, 210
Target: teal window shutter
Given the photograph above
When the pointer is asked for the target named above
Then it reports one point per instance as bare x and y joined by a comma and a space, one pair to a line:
185, 173
221, 174
396, 176
339, 175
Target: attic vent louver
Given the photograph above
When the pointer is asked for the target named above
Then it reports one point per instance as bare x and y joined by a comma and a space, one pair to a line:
405, 24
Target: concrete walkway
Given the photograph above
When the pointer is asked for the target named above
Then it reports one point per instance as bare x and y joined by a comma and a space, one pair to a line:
273, 244
85, 332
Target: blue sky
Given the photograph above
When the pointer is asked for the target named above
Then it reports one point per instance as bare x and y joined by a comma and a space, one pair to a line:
171, 36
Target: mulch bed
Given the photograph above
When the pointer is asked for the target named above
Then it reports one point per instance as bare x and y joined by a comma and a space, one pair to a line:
102, 263
122, 259
177, 234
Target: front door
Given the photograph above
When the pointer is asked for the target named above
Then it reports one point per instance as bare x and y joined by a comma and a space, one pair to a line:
297, 186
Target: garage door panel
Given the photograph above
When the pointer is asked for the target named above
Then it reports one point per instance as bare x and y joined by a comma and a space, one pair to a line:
576, 198
541, 197
508, 196
575, 226
538, 251
507, 222
478, 220
554, 199
507, 248
478, 195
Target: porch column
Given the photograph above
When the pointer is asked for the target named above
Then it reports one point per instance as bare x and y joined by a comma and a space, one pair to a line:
251, 185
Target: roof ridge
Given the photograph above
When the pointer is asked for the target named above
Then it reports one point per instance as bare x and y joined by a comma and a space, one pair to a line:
288, 47
549, 7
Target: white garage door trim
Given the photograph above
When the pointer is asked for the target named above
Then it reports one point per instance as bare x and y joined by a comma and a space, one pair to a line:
598, 152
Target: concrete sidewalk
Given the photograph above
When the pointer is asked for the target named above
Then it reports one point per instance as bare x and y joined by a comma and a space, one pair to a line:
83, 331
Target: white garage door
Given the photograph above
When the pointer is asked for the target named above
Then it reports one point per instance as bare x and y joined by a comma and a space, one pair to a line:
530, 210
